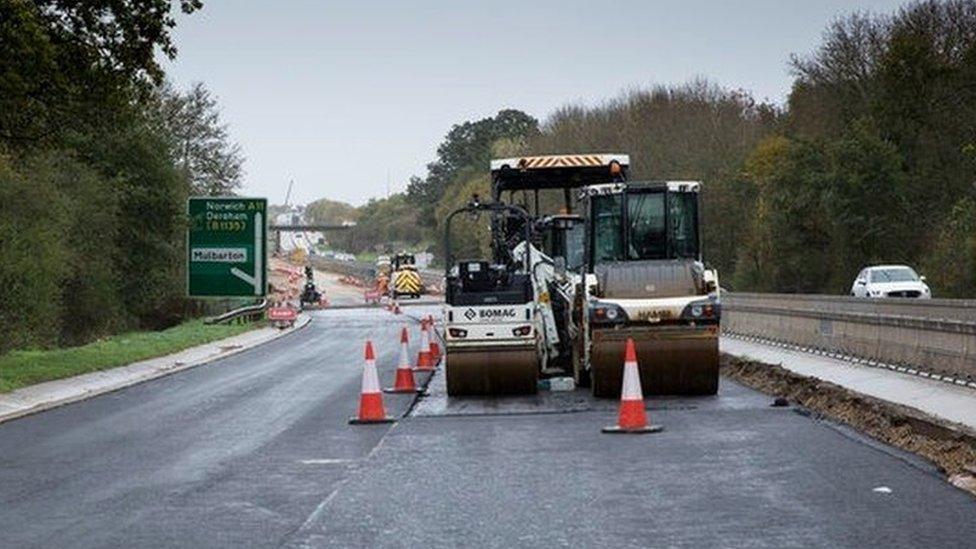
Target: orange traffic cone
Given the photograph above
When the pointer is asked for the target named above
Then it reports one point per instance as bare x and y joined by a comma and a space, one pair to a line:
424, 362
371, 399
435, 348
404, 373
632, 417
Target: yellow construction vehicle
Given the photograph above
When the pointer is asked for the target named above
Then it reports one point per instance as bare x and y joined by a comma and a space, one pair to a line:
405, 279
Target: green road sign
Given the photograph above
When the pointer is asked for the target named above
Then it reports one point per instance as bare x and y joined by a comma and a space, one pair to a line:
225, 247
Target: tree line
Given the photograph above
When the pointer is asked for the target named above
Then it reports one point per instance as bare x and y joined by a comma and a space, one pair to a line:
97, 157
872, 158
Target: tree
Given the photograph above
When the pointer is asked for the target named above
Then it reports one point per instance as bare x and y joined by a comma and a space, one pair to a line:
697, 131
789, 245
330, 212
464, 153
200, 144
32, 259
65, 65
867, 202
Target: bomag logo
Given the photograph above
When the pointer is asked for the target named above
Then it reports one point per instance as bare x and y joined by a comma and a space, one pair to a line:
492, 314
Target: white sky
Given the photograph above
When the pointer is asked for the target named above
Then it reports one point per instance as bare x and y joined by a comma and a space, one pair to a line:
339, 96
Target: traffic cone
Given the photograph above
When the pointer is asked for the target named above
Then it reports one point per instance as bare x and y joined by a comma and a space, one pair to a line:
423, 356
404, 373
632, 418
435, 348
371, 399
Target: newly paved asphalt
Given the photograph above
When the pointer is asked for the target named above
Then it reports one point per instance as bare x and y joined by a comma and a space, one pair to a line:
254, 450
238, 452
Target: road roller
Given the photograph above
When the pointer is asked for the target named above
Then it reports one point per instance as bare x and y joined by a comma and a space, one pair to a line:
645, 280
491, 325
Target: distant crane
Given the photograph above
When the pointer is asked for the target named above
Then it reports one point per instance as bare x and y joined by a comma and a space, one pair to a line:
291, 182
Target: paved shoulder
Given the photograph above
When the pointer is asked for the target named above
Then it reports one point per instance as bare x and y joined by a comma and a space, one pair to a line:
728, 471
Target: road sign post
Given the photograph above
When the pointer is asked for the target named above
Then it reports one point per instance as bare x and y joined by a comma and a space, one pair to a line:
225, 244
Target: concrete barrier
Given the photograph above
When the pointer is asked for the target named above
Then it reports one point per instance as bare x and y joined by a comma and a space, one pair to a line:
937, 337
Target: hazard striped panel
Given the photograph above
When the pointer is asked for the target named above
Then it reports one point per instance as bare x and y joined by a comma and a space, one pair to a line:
407, 282
560, 161
567, 161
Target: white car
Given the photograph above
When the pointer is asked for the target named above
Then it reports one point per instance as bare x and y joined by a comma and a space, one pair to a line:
890, 281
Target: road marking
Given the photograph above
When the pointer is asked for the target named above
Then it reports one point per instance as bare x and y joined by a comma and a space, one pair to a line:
882, 490
325, 461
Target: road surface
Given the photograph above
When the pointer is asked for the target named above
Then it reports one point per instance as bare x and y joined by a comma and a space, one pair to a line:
254, 450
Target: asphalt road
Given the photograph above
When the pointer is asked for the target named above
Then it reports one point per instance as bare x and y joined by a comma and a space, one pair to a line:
235, 453
254, 450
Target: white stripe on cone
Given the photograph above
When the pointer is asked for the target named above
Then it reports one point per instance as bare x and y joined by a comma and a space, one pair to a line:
371, 382
404, 356
632, 387
424, 339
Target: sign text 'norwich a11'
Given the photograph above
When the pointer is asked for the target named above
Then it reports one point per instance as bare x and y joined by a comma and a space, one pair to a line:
225, 247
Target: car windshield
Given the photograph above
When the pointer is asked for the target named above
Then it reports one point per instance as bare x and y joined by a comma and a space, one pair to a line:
900, 274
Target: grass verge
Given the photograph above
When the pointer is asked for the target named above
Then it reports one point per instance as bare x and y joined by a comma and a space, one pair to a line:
22, 368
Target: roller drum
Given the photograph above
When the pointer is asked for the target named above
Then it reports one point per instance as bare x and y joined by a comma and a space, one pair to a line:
672, 360
491, 371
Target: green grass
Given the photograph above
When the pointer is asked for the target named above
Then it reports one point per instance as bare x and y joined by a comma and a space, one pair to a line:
22, 368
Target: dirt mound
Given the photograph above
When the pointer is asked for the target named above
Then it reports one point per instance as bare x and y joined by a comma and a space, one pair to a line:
949, 446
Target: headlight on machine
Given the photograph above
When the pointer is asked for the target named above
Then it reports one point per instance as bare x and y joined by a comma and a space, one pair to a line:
457, 332
706, 309
522, 331
607, 313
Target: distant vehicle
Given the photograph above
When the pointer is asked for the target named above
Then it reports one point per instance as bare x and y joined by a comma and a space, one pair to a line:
405, 279
890, 281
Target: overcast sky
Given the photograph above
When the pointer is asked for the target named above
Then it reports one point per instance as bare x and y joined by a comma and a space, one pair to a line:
342, 96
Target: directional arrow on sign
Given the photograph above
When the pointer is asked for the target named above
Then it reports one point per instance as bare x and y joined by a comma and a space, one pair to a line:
255, 280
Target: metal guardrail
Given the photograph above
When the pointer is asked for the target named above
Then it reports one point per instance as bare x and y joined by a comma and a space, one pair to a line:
253, 311
935, 338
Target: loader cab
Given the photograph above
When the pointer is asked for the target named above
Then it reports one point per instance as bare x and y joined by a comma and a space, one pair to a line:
563, 236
